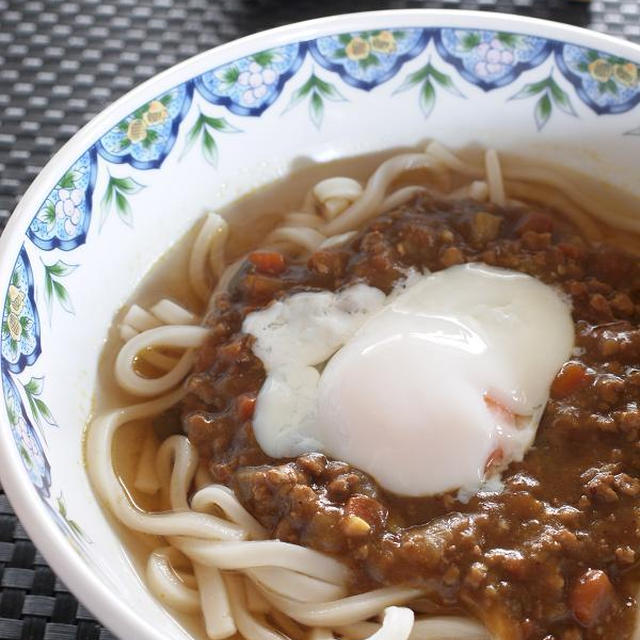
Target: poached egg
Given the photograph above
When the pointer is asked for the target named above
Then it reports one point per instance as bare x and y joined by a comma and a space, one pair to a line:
433, 388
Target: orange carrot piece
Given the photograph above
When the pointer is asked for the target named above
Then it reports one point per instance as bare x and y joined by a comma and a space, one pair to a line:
570, 378
270, 262
591, 597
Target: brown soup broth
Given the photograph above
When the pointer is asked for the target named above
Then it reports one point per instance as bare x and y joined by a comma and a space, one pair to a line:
516, 560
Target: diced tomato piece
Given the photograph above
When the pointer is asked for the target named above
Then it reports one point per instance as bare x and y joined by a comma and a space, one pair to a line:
591, 597
245, 406
570, 378
270, 262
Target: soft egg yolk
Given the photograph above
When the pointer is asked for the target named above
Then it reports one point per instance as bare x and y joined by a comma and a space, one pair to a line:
435, 386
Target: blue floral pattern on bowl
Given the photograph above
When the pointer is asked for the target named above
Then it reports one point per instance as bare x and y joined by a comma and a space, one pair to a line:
145, 137
63, 219
366, 59
605, 83
26, 438
250, 85
491, 59
20, 321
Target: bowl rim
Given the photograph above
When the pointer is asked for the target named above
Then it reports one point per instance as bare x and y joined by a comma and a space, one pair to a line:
89, 589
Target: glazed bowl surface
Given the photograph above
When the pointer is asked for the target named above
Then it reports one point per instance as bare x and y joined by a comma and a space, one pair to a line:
219, 126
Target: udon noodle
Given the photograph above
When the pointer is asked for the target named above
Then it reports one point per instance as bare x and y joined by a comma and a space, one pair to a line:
215, 558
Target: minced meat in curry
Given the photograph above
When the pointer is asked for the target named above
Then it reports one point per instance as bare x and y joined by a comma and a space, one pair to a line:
554, 555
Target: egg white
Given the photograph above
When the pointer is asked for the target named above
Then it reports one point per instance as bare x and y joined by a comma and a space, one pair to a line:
420, 388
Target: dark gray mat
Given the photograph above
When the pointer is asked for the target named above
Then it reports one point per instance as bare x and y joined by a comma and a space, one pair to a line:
61, 62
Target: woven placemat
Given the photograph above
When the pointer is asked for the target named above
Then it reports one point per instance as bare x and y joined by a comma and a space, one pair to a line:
61, 62
34, 604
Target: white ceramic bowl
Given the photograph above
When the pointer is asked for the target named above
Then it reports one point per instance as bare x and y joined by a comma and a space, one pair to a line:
212, 128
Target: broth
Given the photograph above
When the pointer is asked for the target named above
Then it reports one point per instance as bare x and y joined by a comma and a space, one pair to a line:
250, 218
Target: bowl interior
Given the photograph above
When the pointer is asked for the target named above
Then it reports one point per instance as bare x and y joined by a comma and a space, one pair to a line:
218, 127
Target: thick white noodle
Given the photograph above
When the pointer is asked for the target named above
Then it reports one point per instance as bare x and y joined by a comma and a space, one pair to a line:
169, 312
334, 207
262, 553
177, 461
224, 498
309, 239
334, 195
167, 586
399, 197
344, 611
146, 479
227, 276
309, 220
256, 602
337, 187
107, 483
290, 629
216, 608
217, 248
308, 203
494, 178
127, 332
164, 312
159, 360
447, 158
396, 624
248, 625
181, 336
140, 319
479, 191
334, 241
372, 196
287, 246
208, 253
296, 586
